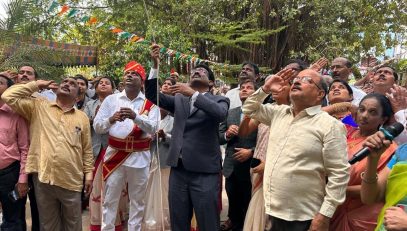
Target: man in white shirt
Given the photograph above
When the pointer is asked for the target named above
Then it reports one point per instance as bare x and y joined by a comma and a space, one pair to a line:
341, 69
130, 119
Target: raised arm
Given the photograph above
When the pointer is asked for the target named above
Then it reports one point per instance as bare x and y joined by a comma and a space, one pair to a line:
164, 101
253, 106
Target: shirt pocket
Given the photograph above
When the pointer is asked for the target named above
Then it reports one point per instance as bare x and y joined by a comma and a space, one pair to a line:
74, 139
7, 137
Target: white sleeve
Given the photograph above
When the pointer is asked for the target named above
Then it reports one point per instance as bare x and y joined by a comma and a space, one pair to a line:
153, 73
400, 117
149, 123
101, 122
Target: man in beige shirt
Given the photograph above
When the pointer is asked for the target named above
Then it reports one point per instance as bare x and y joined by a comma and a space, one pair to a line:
60, 152
306, 170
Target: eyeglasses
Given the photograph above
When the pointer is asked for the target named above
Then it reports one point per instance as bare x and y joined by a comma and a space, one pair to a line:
305, 79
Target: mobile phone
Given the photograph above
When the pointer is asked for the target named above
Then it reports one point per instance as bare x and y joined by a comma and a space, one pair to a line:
254, 162
13, 195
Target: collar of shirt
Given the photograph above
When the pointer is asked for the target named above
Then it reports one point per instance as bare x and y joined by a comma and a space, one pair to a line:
6, 108
54, 104
140, 95
310, 111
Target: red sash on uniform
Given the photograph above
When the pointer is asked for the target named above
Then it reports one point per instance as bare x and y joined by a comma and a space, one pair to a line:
132, 143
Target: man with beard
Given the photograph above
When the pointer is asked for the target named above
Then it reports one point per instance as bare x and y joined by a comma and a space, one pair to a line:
249, 71
341, 69
131, 120
60, 143
303, 183
194, 154
236, 167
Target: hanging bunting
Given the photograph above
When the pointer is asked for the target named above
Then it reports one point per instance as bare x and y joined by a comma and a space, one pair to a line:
172, 55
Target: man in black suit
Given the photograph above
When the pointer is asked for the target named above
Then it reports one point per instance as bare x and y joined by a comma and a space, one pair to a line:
236, 167
194, 154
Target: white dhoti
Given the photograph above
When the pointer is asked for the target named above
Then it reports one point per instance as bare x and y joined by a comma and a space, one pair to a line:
136, 179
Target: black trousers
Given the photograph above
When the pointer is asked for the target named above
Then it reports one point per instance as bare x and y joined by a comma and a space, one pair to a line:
11, 210
35, 218
278, 224
239, 190
190, 191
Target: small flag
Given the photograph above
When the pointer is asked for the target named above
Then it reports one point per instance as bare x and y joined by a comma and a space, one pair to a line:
72, 13
54, 4
163, 50
124, 35
85, 19
64, 9
92, 20
134, 38
116, 30
140, 40
100, 24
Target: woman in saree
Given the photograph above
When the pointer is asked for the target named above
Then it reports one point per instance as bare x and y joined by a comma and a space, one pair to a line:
388, 186
373, 112
103, 88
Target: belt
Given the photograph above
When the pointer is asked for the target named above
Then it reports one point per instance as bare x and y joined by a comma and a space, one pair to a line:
130, 144
10, 168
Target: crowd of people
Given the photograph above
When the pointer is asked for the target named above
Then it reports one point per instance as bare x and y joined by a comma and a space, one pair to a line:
146, 155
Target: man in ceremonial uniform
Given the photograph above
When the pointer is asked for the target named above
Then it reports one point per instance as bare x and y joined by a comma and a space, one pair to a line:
130, 119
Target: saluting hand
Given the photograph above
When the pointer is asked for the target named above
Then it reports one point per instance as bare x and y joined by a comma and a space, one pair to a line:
46, 84
276, 82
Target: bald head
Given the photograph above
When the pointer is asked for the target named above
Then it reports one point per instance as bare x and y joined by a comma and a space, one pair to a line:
343, 60
308, 89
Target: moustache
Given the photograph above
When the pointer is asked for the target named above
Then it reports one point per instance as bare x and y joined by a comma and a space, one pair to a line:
382, 77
